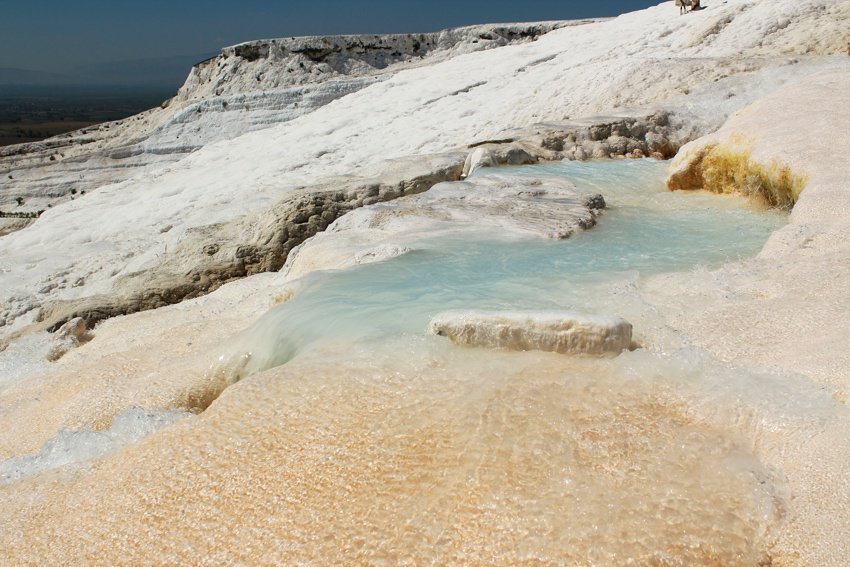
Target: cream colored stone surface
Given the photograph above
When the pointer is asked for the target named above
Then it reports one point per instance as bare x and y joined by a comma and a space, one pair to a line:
789, 308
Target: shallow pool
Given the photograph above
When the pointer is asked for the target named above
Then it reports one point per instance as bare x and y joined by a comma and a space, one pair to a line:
644, 230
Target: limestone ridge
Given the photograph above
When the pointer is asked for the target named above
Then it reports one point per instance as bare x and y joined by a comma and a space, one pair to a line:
247, 87
286, 62
214, 255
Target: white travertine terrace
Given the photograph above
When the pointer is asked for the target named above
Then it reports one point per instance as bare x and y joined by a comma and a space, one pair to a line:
522, 207
726, 440
788, 307
147, 232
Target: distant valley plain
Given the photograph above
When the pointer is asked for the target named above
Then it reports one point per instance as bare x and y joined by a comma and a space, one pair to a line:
33, 113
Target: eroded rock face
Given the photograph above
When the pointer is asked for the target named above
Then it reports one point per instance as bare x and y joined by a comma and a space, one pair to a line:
289, 61
552, 331
658, 135
257, 243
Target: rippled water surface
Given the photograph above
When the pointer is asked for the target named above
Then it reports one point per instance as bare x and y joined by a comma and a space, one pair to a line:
499, 457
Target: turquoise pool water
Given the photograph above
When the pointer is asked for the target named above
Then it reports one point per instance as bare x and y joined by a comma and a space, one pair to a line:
645, 230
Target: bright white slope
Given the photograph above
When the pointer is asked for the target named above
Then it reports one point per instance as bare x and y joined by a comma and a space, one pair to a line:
247, 87
638, 59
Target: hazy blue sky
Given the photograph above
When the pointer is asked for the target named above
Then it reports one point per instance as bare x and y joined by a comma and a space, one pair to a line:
53, 35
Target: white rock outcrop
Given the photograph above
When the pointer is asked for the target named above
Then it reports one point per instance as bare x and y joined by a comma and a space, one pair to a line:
247, 87
552, 331
509, 206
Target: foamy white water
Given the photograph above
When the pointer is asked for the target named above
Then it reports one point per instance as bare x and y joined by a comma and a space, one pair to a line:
71, 447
